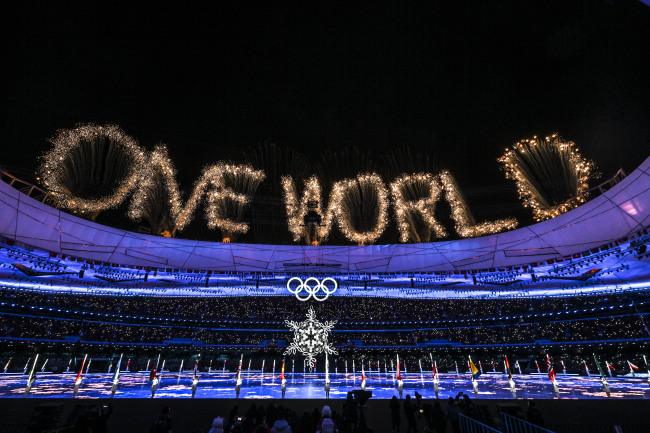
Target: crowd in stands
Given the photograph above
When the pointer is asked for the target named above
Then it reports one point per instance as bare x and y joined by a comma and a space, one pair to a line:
366, 328
348, 310
361, 322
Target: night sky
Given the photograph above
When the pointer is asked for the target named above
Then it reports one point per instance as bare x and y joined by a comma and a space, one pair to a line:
461, 80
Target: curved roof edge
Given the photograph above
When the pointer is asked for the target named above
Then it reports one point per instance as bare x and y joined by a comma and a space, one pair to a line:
614, 215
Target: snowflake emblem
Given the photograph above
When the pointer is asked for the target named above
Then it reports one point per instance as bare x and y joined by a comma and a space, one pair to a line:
310, 338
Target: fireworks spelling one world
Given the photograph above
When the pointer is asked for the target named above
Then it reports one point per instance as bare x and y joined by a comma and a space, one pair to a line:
94, 168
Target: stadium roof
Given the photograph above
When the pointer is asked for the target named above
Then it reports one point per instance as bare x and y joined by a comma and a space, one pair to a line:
614, 215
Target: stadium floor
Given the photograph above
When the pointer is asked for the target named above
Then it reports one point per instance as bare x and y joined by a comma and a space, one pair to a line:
311, 386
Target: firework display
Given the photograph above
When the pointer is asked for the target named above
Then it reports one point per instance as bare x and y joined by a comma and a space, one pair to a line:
83, 169
157, 197
92, 168
361, 201
551, 175
465, 224
413, 196
314, 234
232, 187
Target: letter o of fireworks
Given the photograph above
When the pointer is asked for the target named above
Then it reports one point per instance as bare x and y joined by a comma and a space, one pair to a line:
53, 170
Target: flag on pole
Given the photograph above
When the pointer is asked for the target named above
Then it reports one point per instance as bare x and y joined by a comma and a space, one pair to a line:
282, 373
81, 369
550, 369
475, 371
508, 367
399, 374
152, 375
433, 367
600, 370
632, 365
238, 378
116, 375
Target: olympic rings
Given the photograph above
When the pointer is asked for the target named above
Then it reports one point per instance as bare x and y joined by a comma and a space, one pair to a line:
312, 290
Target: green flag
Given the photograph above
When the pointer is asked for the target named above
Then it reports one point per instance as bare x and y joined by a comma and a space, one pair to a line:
600, 370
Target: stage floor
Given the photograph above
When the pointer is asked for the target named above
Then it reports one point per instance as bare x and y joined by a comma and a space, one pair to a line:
311, 386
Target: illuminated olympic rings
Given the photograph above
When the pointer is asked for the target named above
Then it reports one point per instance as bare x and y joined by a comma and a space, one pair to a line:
314, 289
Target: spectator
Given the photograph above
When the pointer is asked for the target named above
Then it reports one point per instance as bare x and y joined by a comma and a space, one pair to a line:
350, 412
262, 427
468, 408
533, 415
409, 412
453, 415
439, 420
217, 425
163, 423
394, 414
99, 419
281, 425
326, 424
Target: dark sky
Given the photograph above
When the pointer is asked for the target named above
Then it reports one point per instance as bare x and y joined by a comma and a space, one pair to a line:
462, 80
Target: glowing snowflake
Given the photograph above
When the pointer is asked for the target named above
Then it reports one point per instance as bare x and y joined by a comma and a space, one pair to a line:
310, 338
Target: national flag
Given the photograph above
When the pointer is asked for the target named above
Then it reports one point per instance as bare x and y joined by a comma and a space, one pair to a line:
399, 374
550, 369
632, 365
152, 374
508, 367
600, 370
116, 375
239, 368
282, 373
475, 371
611, 366
81, 369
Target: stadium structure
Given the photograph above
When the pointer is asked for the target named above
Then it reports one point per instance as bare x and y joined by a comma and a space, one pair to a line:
556, 309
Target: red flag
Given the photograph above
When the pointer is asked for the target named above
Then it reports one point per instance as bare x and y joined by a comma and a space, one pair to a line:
399, 373
282, 374
550, 369
611, 366
152, 375
81, 369
632, 365
239, 368
435, 371
507, 363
